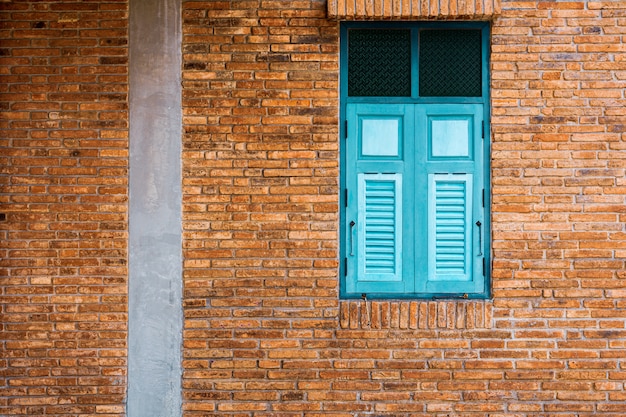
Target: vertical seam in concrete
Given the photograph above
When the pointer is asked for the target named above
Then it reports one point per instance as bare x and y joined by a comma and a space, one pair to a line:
155, 210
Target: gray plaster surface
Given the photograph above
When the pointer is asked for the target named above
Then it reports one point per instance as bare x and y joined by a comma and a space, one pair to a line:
155, 235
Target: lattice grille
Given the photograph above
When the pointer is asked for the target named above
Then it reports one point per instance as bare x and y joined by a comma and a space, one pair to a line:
450, 63
379, 63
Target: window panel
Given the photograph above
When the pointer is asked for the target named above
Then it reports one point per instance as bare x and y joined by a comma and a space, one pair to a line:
380, 235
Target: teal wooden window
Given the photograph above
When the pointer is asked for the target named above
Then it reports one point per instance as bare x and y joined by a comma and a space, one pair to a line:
415, 180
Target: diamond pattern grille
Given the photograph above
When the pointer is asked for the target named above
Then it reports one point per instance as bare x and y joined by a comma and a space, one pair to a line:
450, 63
379, 62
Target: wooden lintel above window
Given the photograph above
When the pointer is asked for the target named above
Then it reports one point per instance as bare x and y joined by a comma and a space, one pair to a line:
413, 9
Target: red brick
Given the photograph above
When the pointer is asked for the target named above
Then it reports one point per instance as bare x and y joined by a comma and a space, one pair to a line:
266, 333
44, 98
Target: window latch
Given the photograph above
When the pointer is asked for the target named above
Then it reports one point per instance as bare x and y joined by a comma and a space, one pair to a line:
480, 238
352, 224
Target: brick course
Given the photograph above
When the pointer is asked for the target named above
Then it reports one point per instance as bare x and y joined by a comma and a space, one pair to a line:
63, 234
413, 9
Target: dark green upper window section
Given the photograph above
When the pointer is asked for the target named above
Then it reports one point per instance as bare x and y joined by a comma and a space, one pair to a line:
380, 62
450, 63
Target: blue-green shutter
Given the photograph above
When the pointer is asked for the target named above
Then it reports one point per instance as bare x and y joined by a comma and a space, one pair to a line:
414, 179
377, 247
454, 171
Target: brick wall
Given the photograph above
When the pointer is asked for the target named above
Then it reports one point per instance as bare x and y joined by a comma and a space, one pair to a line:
265, 333
558, 205
63, 216
260, 178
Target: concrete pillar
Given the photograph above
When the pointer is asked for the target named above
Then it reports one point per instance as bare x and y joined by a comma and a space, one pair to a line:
155, 236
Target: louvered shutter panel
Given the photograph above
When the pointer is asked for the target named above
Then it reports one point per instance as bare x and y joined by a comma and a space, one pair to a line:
380, 227
450, 227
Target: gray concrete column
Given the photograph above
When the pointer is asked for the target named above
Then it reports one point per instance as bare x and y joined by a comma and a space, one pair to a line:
155, 224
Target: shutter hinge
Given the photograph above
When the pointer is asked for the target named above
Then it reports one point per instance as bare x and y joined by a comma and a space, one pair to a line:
345, 267
483, 129
483, 267
346, 198
483, 198
345, 132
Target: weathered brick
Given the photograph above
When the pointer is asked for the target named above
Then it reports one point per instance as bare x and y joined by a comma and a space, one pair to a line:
265, 332
54, 71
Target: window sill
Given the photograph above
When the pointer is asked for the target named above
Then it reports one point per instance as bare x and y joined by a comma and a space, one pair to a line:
458, 314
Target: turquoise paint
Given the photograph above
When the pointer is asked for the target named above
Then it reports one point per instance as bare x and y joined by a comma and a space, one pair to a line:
449, 227
450, 137
377, 201
379, 229
380, 136
438, 138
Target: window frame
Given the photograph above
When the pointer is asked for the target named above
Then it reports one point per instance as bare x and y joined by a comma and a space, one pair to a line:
484, 100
